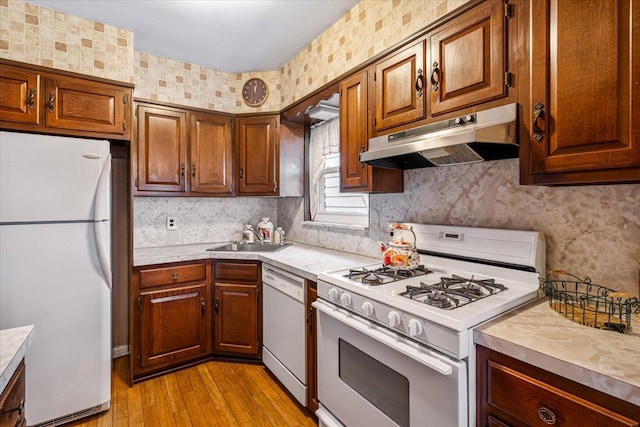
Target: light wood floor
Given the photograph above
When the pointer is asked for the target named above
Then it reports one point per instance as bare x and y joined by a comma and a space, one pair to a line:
211, 394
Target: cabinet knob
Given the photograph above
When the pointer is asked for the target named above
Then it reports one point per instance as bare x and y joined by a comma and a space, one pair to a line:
52, 97
217, 306
182, 169
174, 276
19, 409
546, 415
202, 306
538, 133
31, 101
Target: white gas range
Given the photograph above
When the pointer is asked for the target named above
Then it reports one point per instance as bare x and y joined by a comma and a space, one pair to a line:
395, 347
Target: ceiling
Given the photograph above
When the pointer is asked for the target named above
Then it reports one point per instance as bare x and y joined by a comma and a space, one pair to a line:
235, 36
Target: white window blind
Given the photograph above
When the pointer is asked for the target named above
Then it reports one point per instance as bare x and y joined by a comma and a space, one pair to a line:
327, 203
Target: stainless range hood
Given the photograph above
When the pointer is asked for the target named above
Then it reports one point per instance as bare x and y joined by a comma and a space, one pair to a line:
486, 135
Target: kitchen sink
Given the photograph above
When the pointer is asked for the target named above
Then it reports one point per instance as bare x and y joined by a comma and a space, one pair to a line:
249, 247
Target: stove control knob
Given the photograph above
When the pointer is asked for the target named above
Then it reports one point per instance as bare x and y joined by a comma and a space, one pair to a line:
333, 294
367, 309
345, 299
415, 327
394, 319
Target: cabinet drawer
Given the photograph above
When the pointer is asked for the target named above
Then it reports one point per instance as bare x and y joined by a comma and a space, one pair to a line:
172, 275
539, 404
12, 400
238, 271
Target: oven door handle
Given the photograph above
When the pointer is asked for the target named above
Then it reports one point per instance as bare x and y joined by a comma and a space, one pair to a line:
375, 332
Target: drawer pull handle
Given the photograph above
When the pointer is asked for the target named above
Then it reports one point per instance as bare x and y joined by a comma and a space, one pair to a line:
217, 306
202, 306
435, 77
19, 408
31, 102
546, 415
174, 276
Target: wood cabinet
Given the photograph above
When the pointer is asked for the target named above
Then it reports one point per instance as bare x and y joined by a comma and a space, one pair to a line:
581, 114
12, 400
258, 155
355, 122
39, 100
171, 306
467, 59
181, 151
400, 87
237, 314
514, 393
312, 347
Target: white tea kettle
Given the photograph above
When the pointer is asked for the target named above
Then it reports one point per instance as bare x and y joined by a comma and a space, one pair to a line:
401, 252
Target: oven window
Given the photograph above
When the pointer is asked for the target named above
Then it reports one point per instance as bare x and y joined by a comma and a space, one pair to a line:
380, 385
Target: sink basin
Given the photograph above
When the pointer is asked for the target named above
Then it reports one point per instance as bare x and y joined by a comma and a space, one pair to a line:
249, 247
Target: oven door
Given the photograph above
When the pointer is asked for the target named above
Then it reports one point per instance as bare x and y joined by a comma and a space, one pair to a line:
370, 376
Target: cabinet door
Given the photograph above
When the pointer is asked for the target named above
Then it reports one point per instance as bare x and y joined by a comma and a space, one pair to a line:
162, 149
583, 118
258, 156
236, 319
312, 348
210, 154
174, 325
20, 100
467, 59
399, 81
12, 400
353, 132
77, 104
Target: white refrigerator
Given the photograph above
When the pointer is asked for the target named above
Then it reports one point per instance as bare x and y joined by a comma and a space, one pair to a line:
55, 272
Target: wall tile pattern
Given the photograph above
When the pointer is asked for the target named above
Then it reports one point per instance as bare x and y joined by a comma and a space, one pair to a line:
42, 36
590, 231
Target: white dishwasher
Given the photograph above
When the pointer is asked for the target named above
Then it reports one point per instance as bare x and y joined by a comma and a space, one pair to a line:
283, 330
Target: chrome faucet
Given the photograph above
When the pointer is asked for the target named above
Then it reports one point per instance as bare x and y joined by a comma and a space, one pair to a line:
258, 235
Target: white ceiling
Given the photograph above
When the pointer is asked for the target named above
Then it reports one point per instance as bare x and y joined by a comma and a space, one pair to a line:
227, 35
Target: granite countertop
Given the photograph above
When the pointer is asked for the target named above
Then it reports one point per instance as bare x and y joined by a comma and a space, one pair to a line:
604, 360
303, 260
13, 348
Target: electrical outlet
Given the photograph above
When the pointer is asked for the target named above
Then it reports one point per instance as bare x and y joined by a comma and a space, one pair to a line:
171, 223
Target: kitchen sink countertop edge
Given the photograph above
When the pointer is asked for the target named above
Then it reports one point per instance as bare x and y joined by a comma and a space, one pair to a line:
301, 259
535, 334
14, 343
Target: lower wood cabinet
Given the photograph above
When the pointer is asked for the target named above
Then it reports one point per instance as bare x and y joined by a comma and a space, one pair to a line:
237, 316
12, 400
514, 393
312, 347
171, 309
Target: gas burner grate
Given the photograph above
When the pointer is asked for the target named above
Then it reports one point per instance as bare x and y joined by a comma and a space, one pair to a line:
453, 292
382, 275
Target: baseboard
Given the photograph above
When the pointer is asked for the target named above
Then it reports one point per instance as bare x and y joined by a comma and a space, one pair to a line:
119, 351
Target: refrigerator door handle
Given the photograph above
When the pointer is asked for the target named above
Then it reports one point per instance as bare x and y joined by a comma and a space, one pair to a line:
102, 199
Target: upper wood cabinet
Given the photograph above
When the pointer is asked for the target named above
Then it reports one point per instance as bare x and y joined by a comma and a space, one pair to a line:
467, 59
20, 100
181, 151
211, 154
400, 87
161, 148
581, 120
43, 101
258, 155
355, 122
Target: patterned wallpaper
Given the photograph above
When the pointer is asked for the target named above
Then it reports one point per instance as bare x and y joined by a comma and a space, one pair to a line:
41, 36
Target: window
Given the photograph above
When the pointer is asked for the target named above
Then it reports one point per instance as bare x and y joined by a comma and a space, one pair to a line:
327, 204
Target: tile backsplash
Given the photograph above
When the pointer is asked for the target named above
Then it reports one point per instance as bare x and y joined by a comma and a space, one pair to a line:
199, 220
590, 231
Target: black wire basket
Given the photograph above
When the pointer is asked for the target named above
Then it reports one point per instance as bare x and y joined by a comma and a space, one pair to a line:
589, 304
